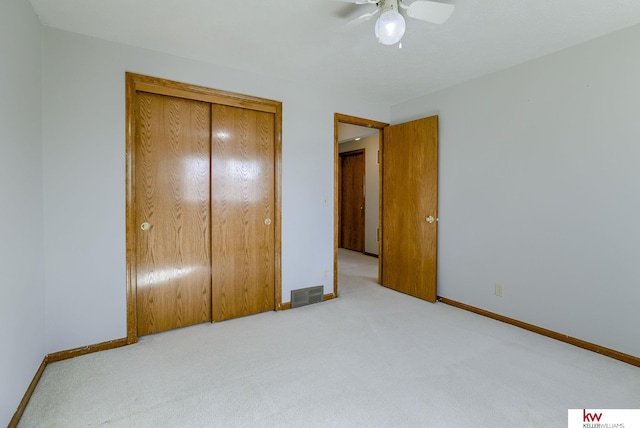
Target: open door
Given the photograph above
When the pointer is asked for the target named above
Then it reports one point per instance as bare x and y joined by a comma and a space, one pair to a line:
410, 208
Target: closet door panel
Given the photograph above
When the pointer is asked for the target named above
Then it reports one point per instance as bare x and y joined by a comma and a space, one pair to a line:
242, 205
172, 211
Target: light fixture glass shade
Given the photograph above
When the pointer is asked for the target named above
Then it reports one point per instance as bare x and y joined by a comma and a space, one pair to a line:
390, 28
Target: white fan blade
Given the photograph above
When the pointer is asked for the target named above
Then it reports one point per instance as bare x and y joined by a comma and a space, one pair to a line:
430, 11
356, 1
361, 18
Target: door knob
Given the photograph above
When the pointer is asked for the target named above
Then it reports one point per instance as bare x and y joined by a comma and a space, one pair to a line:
430, 219
145, 226
267, 221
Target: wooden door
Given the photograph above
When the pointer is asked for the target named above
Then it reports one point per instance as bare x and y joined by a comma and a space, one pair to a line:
242, 197
352, 200
410, 207
172, 155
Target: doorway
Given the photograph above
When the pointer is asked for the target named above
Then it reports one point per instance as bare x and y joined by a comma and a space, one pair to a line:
340, 142
408, 206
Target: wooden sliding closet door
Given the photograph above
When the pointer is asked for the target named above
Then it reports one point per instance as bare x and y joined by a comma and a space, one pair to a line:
203, 205
243, 205
172, 212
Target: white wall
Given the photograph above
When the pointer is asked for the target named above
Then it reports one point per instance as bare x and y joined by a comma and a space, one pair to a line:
372, 187
540, 190
21, 266
84, 175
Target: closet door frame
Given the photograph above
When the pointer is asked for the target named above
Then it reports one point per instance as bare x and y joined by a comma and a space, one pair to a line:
139, 83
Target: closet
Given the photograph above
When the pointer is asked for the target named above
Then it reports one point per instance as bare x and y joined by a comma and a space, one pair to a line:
203, 205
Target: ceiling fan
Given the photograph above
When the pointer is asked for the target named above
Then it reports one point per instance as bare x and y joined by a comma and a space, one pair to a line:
390, 26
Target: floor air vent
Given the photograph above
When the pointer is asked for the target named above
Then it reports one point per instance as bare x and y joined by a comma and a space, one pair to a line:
306, 296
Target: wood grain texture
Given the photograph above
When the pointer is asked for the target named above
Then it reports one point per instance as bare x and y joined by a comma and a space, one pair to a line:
130, 215
15, 420
278, 205
611, 353
329, 296
353, 120
84, 350
410, 195
243, 208
352, 200
172, 156
137, 85
155, 85
380, 200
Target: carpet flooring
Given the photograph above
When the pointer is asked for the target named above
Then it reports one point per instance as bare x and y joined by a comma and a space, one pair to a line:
371, 358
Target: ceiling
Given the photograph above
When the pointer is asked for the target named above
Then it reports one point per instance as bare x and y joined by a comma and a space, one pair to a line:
348, 132
307, 40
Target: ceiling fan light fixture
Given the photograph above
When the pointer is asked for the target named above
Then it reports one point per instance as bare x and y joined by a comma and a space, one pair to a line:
390, 27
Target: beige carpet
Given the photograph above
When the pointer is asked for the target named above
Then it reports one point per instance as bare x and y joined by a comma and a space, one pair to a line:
372, 358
